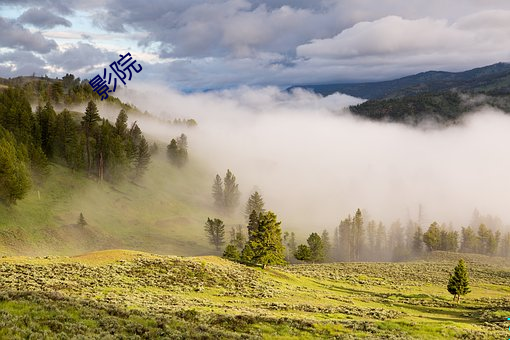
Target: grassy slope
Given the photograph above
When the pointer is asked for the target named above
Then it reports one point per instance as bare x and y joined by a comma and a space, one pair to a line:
164, 213
113, 293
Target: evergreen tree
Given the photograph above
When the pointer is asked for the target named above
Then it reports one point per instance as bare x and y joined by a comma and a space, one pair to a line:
143, 158
451, 242
336, 245
230, 192
217, 193
381, 241
418, 241
247, 254
89, 122
154, 149
326, 243
67, 140
132, 141
266, 241
14, 176
46, 119
81, 221
505, 245
237, 237
182, 142
255, 203
16, 115
357, 235
177, 151
487, 240
470, 243
432, 237
215, 230
458, 283
121, 126
316, 247
232, 253
303, 253
345, 231
371, 238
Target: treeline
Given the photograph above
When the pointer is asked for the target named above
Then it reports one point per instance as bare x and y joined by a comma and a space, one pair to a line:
443, 107
66, 91
357, 240
30, 140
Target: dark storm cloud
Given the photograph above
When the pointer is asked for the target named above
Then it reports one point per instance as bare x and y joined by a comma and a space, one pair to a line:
16, 36
42, 18
82, 55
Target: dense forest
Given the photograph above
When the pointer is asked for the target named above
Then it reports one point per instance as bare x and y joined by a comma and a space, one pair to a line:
84, 142
444, 107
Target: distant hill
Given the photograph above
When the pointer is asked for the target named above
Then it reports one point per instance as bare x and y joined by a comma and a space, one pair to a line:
494, 79
438, 96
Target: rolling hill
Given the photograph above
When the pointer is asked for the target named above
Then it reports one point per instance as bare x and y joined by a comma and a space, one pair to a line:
136, 295
488, 79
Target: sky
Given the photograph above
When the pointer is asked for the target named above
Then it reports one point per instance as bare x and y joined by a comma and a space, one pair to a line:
199, 45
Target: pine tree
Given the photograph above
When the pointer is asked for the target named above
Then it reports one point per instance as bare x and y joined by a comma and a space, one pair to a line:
46, 118
143, 158
289, 239
255, 203
253, 224
432, 237
237, 237
247, 254
326, 243
371, 238
81, 221
505, 245
215, 230
357, 234
67, 139
89, 122
458, 283
266, 241
217, 193
303, 253
470, 243
177, 151
14, 175
381, 239
121, 126
418, 241
231, 192
316, 247
232, 253
345, 233
336, 245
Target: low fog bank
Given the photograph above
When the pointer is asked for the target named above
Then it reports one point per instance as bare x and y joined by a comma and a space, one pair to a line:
315, 163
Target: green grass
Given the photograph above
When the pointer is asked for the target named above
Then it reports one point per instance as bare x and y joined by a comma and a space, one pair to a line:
164, 212
139, 295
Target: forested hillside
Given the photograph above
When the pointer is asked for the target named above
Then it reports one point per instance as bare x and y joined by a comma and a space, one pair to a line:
72, 181
443, 97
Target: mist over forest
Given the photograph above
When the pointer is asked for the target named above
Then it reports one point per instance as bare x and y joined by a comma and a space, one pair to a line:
315, 163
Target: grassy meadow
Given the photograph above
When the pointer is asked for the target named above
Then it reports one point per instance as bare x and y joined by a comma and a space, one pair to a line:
136, 295
164, 213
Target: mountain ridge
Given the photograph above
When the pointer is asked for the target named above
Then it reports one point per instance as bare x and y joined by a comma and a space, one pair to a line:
491, 78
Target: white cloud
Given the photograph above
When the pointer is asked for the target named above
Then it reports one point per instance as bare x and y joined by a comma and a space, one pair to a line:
427, 41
